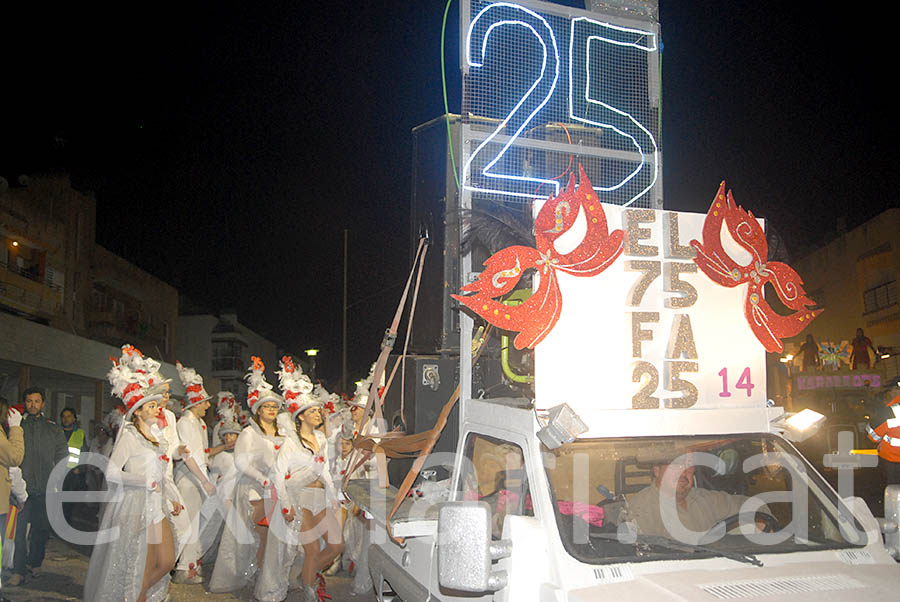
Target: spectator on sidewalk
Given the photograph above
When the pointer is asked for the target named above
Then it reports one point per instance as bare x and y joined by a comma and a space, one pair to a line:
45, 445
12, 450
74, 434
77, 442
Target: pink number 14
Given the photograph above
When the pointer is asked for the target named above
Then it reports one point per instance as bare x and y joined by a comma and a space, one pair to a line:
742, 383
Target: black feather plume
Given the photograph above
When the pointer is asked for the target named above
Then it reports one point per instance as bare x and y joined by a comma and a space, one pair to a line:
496, 229
777, 250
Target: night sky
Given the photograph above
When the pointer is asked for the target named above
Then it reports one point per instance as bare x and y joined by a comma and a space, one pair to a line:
229, 148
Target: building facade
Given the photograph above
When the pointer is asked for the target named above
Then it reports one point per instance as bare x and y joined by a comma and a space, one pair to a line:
854, 279
67, 304
219, 347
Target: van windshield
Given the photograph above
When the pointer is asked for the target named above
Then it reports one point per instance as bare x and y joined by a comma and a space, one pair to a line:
654, 498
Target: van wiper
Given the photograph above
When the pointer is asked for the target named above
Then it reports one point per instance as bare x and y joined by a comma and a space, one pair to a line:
673, 544
645, 541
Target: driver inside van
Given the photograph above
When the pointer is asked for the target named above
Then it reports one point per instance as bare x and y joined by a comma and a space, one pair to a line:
672, 504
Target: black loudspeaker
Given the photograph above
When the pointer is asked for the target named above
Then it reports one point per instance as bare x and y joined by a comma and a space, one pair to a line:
429, 383
434, 214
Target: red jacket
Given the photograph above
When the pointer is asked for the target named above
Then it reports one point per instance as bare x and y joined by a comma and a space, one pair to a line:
886, 432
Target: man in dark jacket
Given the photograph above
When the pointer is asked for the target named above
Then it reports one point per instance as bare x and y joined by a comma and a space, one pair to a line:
45, 445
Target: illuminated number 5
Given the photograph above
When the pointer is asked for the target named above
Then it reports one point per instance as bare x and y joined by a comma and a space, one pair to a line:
582, 107
503, 14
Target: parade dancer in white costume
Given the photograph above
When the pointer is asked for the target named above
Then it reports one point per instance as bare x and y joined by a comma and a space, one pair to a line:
135, 549
194, 485
306, 493
337, 428
340, 445
356, 527
109, 425
223, 474
225, 409
280, 571
222, 471
246, 526
166, 421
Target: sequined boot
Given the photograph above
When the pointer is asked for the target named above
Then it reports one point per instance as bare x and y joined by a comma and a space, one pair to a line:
310, 594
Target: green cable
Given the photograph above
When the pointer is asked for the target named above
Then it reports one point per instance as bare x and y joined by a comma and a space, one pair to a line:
446, 104
659, 112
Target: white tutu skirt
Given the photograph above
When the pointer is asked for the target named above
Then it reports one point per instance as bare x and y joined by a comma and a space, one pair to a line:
116, 569
236, 561
284, 549
356, 550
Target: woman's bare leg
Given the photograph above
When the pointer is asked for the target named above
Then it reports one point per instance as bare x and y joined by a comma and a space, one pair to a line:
324, 524
334, 539
165, 554
160, 555
259, 513
310, 539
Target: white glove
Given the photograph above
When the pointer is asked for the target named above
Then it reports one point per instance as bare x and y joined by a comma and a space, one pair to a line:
14, 418
209, 488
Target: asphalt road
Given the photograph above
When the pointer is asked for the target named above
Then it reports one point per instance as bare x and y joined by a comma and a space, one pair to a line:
62, 578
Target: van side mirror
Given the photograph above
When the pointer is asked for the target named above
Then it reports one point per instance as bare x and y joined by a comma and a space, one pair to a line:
465, 549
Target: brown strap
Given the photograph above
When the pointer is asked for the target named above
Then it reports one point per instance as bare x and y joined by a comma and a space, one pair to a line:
399, 362
416, 468
432, 437
409, 323
388, 344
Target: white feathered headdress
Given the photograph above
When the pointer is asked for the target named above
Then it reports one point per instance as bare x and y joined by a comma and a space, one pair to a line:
194, 393
258, 390
130, 379
113, 420
361, 396
226, 400
296, 387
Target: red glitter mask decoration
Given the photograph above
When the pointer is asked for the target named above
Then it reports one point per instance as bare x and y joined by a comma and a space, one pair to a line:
768, 326
535, 318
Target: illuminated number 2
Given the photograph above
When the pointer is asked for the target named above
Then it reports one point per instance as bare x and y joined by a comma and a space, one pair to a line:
583, 107
502, 14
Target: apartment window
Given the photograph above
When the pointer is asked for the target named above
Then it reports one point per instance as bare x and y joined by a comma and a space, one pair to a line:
881, 296
227, 356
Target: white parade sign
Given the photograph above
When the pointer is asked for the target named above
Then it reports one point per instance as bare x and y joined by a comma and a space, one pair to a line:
651, 345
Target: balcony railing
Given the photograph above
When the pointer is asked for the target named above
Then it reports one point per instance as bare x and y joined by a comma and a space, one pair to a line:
30, 273
31, 297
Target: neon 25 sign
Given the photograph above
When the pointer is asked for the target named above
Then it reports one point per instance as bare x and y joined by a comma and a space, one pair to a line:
568, 88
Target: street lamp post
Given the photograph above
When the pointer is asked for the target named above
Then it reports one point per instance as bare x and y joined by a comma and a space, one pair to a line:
311, 355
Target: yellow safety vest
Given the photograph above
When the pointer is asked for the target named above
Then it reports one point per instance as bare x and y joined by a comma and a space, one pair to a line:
76, 442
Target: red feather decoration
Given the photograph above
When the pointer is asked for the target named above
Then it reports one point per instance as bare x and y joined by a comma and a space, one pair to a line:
535, 318
768, 326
